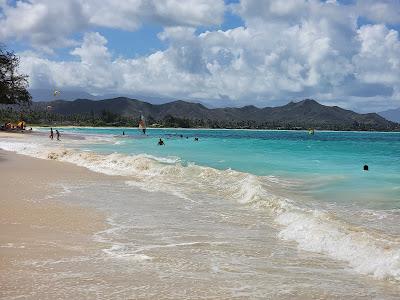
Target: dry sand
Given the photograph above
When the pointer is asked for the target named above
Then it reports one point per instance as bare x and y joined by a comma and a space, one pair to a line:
34, 225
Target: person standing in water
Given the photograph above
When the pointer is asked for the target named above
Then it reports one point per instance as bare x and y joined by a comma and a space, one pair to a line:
58, 135
51, 136
161, 142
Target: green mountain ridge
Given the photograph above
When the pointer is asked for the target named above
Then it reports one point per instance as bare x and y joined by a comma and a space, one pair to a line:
123, 111
307, 111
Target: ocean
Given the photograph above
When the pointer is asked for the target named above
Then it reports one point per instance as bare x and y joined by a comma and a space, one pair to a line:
238, 213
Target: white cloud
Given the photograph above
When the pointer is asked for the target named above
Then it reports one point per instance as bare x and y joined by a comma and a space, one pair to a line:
93, 50
383, 11
48, 24
130, 14
379, 58
189, 12
300, 49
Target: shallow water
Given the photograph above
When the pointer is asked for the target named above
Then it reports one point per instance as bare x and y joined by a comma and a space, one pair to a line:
256, 214
330, 163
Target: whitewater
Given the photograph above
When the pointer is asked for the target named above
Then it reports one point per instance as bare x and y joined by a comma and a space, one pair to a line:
309, 191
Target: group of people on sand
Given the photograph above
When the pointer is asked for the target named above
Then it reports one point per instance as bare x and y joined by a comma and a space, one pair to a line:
20, 126
51, 136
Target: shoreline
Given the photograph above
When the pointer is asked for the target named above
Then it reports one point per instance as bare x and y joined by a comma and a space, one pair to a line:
35, 225
212, 129
64, 245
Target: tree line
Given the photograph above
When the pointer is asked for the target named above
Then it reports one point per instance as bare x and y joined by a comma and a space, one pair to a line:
107, 118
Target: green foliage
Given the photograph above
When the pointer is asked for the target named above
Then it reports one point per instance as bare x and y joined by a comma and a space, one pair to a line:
13, 86
108, 118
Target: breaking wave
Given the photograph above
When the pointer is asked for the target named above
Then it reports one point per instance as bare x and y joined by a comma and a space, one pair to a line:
313, 228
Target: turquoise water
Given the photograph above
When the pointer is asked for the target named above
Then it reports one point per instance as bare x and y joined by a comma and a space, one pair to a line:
329, 165
235, 191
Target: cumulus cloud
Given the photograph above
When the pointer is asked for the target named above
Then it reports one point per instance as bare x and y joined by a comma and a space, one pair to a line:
384, 11
286, 49
378, 60
129, 14
48, 24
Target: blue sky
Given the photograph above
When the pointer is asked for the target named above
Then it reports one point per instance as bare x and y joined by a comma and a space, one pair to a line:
126, 43
221, 52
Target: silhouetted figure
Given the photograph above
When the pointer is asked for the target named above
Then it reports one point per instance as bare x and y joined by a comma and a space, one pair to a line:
161, 143
51, 136
58, 135
123, 132
366, 168
196, 139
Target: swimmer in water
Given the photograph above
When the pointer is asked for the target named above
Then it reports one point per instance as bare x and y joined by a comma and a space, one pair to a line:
161, 142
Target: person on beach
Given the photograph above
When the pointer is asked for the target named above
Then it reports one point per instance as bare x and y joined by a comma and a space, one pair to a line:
51, 136
58, 135
161, 143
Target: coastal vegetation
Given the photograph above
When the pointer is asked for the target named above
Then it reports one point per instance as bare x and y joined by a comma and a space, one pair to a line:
13, 86
37, 115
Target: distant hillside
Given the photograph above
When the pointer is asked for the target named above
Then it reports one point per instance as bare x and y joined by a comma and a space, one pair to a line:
47, 95
303, 114
391, 115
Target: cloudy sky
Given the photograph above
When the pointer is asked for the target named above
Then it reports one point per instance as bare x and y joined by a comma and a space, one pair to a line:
243, 52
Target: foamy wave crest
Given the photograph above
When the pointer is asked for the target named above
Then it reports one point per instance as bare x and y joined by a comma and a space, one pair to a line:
367, 251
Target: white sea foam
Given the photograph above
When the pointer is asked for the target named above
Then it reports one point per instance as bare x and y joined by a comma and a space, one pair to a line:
120, 251
12, 245
367, 251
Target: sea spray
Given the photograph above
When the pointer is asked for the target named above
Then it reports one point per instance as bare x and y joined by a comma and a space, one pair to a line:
314, 229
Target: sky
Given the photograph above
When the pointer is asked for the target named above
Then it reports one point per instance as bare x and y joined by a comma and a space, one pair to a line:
244, 52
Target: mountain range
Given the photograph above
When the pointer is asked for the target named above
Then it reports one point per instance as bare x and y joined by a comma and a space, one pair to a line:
391, 115
47, 95
305, 113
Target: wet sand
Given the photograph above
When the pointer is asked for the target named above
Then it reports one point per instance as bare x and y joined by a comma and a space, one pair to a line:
149, 245
34, 224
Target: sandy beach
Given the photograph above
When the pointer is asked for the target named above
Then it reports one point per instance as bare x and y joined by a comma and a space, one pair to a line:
82, 219
34, 224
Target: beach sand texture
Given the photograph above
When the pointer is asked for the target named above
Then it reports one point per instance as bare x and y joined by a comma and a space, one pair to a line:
34, 225
70, 233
